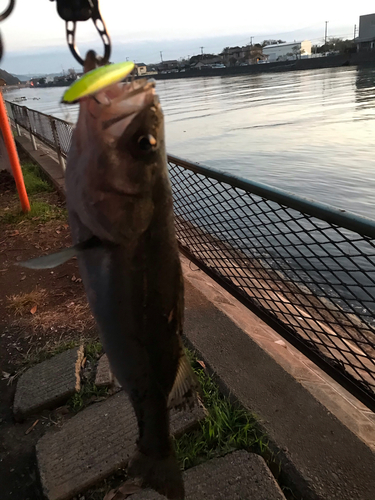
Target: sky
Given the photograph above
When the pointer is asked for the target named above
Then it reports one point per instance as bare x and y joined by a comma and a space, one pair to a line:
34, 35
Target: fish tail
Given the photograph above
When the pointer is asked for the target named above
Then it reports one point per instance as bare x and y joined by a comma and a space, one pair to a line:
163, 475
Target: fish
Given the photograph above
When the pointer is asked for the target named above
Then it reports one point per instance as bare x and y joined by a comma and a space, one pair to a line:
120, 209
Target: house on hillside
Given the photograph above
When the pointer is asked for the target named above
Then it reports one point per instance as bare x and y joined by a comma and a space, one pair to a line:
204, 63
231, 55
366, 36
141, 69
287, 51
167, 65
248, 54
253, 54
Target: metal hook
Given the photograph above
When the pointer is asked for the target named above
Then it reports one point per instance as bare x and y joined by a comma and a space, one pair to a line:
100, 27
3, 16
8, 10
70, 36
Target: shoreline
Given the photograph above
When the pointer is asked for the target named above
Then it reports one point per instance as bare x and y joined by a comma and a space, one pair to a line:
337, 61
363, 59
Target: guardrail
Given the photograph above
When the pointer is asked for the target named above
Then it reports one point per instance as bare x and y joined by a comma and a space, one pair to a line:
52, 131
307, 268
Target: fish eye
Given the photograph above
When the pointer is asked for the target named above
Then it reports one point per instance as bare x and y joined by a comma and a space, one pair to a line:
147, 142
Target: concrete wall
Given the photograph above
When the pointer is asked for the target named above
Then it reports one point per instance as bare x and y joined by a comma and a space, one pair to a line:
366, 59
367, 26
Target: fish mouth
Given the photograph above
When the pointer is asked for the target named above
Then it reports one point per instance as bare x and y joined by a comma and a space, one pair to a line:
119, 103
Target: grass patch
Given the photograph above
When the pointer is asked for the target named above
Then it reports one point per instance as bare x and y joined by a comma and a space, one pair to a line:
93, 350
24, 302
49, 350
37, 186
34, 180
40, 212
88, 394
226, 428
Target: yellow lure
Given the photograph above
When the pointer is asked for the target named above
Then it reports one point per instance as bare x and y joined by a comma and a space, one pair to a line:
97, 79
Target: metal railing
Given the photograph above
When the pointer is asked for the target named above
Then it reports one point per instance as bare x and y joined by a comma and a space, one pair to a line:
307, 268
52, 131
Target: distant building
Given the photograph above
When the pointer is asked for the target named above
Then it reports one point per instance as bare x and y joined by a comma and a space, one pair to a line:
141, 69
213, 61
232, 54
366, 35
167, 65
243, 56
287, 51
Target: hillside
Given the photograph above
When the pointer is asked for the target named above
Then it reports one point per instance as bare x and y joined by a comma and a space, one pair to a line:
9, 79
23, 78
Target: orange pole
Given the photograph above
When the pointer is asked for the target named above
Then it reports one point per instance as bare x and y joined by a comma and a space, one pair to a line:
13, 156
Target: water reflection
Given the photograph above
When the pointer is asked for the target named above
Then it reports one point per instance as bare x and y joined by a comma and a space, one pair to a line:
309, 132
365, 88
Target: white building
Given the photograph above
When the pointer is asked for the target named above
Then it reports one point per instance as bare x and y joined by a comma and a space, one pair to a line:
287, 51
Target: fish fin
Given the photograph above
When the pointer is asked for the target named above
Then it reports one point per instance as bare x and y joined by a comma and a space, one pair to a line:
184, 390
50, 261
163, 475
56, 259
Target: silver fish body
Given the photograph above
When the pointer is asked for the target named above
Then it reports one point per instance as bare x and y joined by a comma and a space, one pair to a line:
119, 193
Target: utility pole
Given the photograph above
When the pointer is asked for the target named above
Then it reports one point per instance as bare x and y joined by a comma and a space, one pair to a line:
202, 50
161, 56
251, 40
325, 33
355, 31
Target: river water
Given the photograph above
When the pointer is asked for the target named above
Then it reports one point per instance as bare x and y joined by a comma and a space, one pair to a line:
308, 132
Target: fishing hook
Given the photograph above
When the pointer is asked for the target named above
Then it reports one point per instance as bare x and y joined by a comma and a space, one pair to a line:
72, 11
8, 10
3, 16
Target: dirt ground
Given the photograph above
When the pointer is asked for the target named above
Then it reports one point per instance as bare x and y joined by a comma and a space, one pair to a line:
39, 311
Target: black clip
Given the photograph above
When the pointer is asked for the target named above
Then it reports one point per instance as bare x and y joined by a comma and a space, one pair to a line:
73, 11
3, 16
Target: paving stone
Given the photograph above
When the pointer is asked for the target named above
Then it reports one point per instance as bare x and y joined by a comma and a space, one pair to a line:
94, 444
48, 384
237, 476
104, 375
